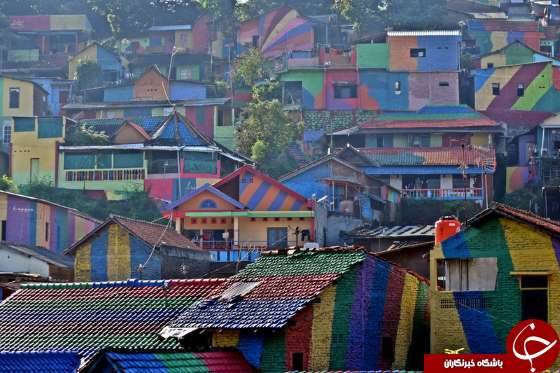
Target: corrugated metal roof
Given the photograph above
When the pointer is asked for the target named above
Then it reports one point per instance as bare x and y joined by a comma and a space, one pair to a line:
425, 33
398, 231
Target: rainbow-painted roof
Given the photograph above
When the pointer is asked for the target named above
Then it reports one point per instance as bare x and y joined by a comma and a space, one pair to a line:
85, 318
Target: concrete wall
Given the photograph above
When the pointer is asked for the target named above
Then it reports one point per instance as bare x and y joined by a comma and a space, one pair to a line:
30, 142
13, 261
26, 98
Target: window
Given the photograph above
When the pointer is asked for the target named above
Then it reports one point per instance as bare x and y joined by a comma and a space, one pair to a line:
444, 84
7, 134
297, 361
277, 238
417, 52
14, 98
384, 141
345, 91
199, 163
419, 141
4, 230
46, 231
534, 297
520, 90
397, 86
208, 204
247, 179
477, 274
460, 182
496, 89
255, 41
292, 93
490, 65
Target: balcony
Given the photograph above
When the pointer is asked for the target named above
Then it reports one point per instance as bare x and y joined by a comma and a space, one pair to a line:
106, 175
443, 194
228, 251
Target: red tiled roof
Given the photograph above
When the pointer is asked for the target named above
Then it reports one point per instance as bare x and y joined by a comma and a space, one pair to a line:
152, 233
455, 123
430, 156
523, 215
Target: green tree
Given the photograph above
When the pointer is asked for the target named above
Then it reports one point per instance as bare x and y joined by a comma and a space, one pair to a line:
525, 199
7, 184
79, 134
252, 8
266, 134
363, 13
250, 68
89, 75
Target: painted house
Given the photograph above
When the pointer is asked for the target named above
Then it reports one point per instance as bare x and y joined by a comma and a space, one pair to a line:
37, 261
530, 86
503, 265
371, 78
60, 92
85, 318
352, 198
35, 222
185, 66
123, 248
493, 34
439, 152
274, 33
33, 151
319, 310
166, 157
109, 62
242, 214
516, 53
21, 98
52, 38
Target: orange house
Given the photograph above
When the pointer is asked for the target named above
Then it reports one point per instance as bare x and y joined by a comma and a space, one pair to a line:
244, 213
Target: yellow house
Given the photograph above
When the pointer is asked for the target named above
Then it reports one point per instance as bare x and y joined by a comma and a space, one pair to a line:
21, 98
109, 62
34, 153
243, 213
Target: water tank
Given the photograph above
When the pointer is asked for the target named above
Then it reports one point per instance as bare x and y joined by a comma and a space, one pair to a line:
446, 227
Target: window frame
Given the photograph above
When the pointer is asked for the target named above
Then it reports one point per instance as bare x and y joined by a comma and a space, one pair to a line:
353, 91
418, 53
11, 90
6, 139
496, 89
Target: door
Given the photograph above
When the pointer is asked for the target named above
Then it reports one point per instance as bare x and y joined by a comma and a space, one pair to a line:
34, 170
277, 238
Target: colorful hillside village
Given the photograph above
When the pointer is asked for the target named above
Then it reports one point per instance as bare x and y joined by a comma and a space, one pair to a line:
274, 186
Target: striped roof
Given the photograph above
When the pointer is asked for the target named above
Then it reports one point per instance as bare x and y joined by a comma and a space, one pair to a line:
432, 117
278, 286
45, 362
88, 317
162, 362
431, 156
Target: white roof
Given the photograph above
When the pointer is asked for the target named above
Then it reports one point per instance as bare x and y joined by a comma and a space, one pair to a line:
425, 33
171, 28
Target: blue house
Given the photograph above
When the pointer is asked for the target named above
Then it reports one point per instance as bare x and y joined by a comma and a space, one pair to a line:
109, 62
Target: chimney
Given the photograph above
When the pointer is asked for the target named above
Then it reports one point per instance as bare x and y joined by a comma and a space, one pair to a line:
446, 227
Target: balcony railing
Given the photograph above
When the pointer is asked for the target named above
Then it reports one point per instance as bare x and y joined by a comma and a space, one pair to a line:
228, 251
106, 175
443, 194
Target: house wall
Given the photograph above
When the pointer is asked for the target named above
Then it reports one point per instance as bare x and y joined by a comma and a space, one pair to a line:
280, 31
483, 325
14, 261
442, 53
87, 55
151, 86
541, 82
187, 91
35, 138
517, 177
28, 220
202, 117
26, 98
345, 328
376, 89
491, 35
255, 231
515, 54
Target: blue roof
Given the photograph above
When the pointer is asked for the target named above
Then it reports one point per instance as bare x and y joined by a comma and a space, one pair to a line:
55, 362
206, 188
